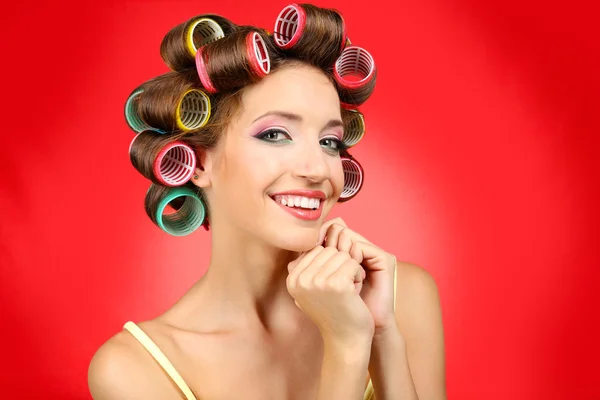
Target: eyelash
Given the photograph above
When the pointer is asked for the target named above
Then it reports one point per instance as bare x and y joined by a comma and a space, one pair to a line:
340, 146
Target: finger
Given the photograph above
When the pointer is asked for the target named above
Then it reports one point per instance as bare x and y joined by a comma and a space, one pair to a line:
321, 275
329, 268
303, 263
292, 264
342, 238
347, 275
361, 251
331, 235
327, 224
345, 239
305, 279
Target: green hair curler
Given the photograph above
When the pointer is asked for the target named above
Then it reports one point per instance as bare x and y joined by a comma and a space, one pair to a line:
189, 217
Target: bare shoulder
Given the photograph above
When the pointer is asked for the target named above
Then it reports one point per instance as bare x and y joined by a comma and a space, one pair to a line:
415, 283
122, 369
419, 317
417, 300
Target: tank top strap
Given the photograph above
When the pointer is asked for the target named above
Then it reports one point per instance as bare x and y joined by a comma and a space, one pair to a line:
370, 392
395, 279
159, 356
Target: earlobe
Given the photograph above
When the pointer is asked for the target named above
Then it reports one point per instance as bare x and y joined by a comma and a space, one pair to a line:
200, 177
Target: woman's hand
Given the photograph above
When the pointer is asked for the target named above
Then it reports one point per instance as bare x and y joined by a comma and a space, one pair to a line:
380, 266
325, 283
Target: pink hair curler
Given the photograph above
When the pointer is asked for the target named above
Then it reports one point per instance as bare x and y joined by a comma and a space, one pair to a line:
174, 164
201, 68
257, 59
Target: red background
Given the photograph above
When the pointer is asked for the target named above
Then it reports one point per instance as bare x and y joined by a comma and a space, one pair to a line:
481, 166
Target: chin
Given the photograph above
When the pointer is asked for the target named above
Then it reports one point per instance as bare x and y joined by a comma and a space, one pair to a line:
297, 243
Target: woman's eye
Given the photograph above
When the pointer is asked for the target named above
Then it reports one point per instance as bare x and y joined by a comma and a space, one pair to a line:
273, 135
333, 144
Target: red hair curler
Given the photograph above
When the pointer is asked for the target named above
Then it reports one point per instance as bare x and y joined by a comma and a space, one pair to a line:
257, 54
256, 58
355, 62
171, 164
355, 74
289, 26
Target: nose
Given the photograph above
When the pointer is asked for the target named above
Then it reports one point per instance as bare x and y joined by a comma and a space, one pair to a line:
311, 163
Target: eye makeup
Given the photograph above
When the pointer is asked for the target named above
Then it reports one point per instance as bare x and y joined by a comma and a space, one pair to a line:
274, 122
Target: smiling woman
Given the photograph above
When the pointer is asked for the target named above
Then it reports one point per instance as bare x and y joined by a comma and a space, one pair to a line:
248, 136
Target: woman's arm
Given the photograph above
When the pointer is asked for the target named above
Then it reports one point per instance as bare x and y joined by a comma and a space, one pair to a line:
344, 369
389, 368
408, 362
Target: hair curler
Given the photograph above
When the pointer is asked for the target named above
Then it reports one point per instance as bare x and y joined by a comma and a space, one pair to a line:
133, 119
353, 178
172, 164
257, 63
187, 218
354, 129
193, 110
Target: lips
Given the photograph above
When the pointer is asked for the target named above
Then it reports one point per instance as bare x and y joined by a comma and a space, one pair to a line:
302, 213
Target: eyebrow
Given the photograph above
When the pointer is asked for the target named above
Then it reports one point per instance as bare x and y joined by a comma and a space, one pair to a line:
298, 118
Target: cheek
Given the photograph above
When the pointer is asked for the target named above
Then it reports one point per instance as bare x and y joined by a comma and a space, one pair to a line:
251, 172
337, 177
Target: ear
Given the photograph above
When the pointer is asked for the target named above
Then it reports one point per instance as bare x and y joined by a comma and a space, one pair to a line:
201, 176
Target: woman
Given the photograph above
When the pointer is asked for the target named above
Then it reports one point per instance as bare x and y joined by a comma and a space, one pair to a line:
248, 136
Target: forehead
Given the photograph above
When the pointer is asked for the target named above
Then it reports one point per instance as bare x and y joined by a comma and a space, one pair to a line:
300, 89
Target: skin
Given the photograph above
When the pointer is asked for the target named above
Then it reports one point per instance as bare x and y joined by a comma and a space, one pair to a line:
247, 329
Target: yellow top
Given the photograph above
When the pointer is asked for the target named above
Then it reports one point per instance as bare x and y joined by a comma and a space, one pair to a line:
166, 365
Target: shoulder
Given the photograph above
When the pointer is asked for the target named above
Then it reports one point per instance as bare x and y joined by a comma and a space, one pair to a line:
417, 302
415, 281
122, 369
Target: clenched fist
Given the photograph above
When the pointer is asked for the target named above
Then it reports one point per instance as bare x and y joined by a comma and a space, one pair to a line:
325, 283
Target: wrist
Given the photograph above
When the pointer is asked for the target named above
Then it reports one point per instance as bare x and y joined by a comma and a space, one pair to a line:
387, 333
349, 349
389, 324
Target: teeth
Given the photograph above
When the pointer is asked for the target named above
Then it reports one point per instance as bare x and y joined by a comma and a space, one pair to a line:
298, 201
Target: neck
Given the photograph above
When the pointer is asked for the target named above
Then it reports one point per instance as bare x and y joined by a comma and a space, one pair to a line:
246, 282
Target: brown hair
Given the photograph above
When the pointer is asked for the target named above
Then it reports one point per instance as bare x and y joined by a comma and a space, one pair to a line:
225, 55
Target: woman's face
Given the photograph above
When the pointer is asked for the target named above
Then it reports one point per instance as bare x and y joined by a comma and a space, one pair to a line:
285, 139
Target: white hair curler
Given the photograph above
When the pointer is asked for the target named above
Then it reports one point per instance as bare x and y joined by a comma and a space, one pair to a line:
174, 164
353, 178
354, 68
257, 54
289, 26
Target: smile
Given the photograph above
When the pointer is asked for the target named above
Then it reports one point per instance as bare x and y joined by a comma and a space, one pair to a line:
306, 208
